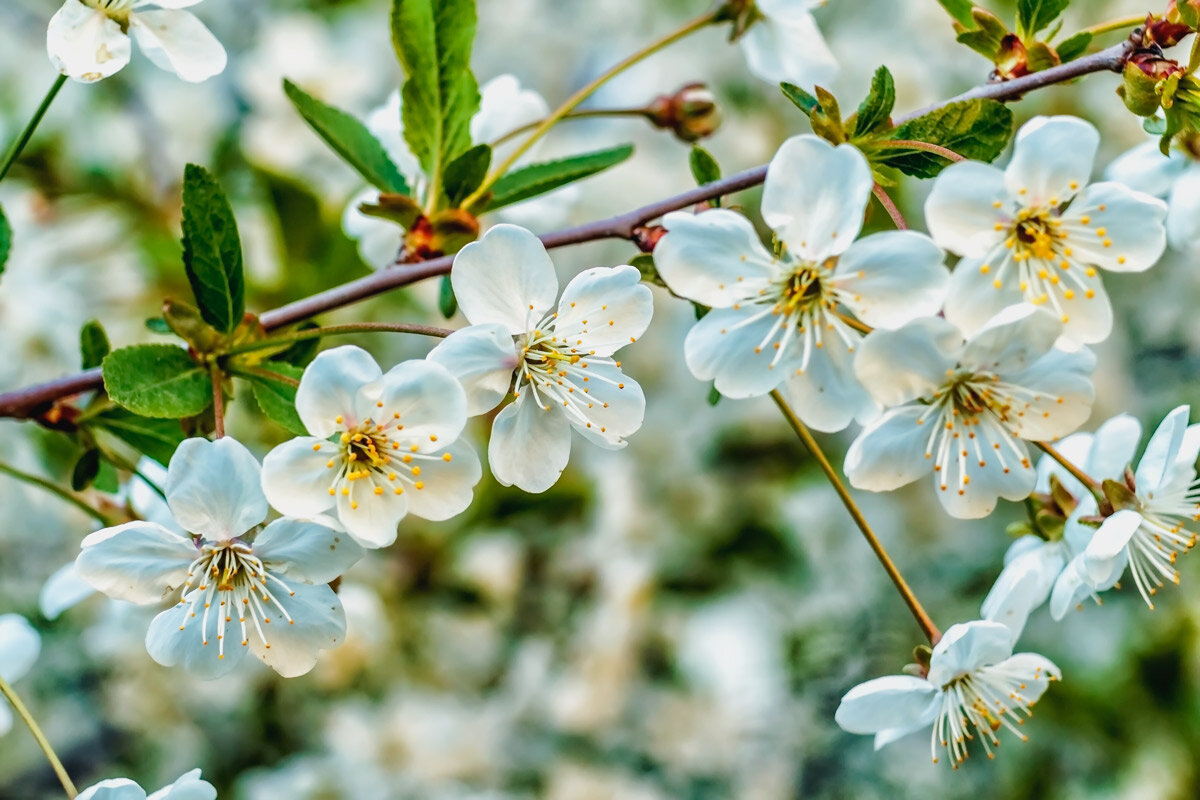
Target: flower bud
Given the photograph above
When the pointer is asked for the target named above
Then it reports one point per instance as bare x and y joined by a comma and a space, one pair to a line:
1165, 31
691, 113
1148, 78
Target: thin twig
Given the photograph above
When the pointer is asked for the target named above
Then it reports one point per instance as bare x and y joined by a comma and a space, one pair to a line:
1090, 483
339, 330
43, 742
889, 207
56, 490
214, 373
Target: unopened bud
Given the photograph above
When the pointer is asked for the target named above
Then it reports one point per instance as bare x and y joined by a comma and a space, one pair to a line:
1165, 31
691, 113
646, 237
1148, 79
1012, 60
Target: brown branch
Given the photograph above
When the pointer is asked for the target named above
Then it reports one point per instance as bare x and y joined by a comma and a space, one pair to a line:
29, 401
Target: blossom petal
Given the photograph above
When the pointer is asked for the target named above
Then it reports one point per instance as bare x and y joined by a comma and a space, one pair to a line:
1145, 169
1024, 585
62, 590
296, 476
889, 453
379, 240
825, 394
329, 386
178, 42
530, 445
613, 408
215, 488
788, 46
113, 789
84, 44
1052, 159
893, 701
967, 202
714, 258
603, 309
504, 106
139, 561
447, 484
370, 517
302, 550
815, 196
1124, 230
732, 347
175, 637
317, 622
1058, 394
907, 363
482, 358
1036, 670
892, 278
20, 646
422, 398
1113, 447
1012, 340
1070, 589
967, 646
1183, 215
505, 277
188, 786
1162, 451
980, 288
1105, 556
989, 466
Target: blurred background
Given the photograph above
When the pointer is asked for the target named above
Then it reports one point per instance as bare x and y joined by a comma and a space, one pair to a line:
675, 620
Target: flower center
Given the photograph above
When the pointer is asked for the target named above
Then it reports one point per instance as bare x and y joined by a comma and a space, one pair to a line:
372, 460
117, 10
559, 375
230, 581
987, 699
1036, 234
802, 291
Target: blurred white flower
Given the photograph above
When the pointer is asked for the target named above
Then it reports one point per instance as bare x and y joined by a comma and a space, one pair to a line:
778, 319
20, 646
1149, 533
964, 409
186, 787
1176, 178
974, 681
397, 449
1019, 243
558, 363
89, 39
785, 44
213, 491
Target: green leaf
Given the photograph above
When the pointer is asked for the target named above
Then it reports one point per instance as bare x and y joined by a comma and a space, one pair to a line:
1073, 47
350, 139
5, 240
158, 325
877, 107
277, 398
157, 380
714, 396
107, 479
300, 352
93, 344
433, 42
156, 438
465, 173
212, 251
800, 98
976, 129
988, 39
536, 179
447, 302
704, 167
960, 10
86, 469
1033, 15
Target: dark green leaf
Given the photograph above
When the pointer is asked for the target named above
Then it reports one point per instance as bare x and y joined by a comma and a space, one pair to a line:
107, 479
350, 139
212, 251
158, 325
960, 10
157, 380
877, 107
156, 438
800, 98
536, 179
86, 469
433, 42
5, 240
1033, 15
1073, 47
447, 302
277, 398
93, 344
465, 173
976, 129
704, 167
644, 263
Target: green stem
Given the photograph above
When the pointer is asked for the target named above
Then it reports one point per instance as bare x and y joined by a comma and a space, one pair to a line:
14, 151
258, 372
54, 489
1078, 474
928, 147
338, 330
1132, 21
583, 94
587, 113
910, 599
40, 737
214, 373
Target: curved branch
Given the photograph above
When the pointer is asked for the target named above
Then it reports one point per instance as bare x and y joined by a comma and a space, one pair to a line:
27, 402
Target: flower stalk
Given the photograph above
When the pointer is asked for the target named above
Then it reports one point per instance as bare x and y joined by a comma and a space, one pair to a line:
16, 148
40, 738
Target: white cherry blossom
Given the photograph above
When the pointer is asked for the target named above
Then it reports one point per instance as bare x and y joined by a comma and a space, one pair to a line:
785, 44
1175, 178
975, 686
963, 410
89, 40
383, 445
1149, 533
794, 318
558, 363
20, 646
188, 786
1037, 232
241, 589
